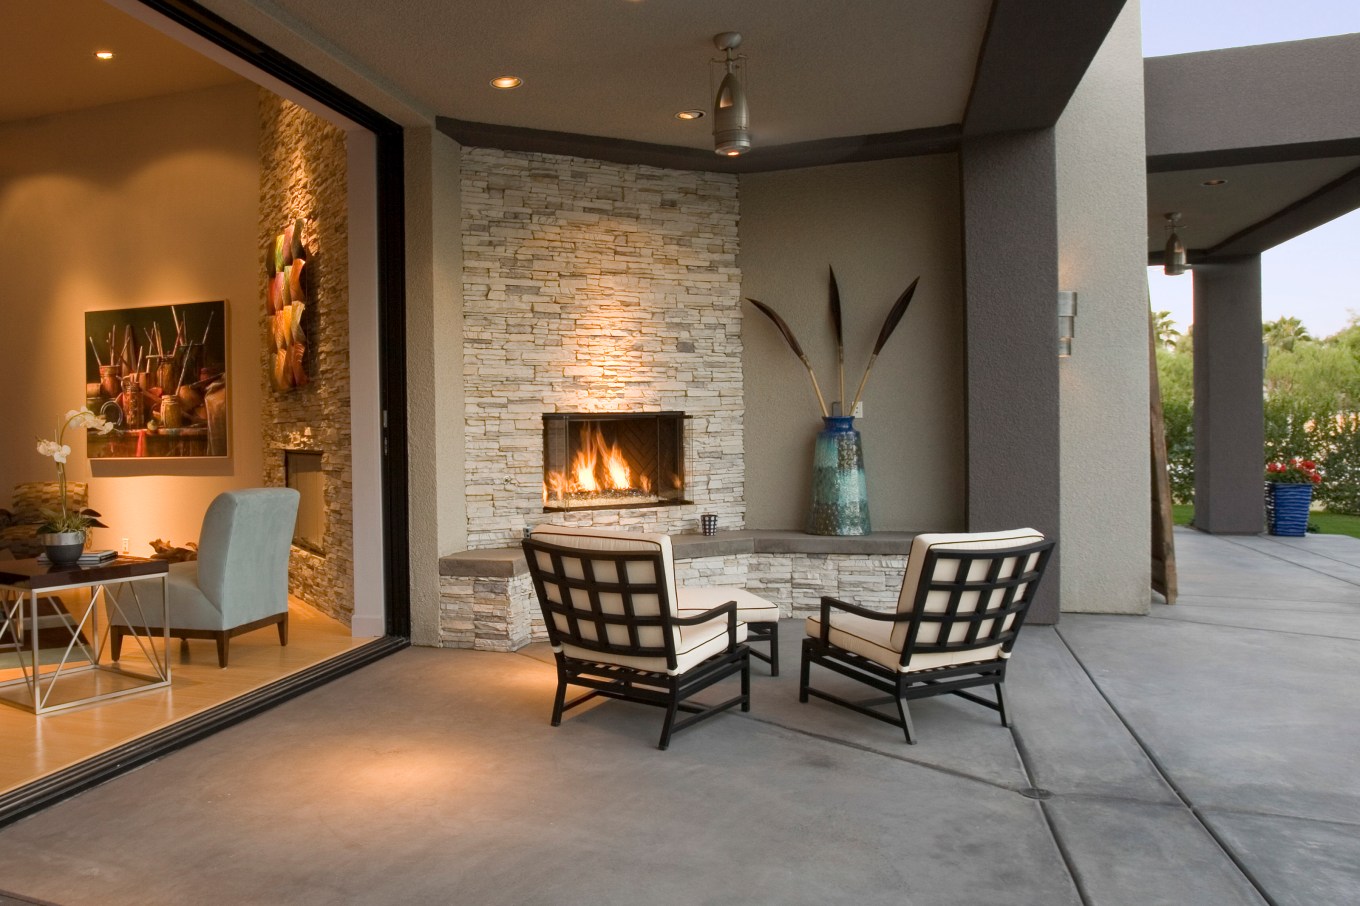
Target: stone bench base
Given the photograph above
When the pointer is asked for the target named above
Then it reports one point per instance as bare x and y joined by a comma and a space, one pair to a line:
487, 601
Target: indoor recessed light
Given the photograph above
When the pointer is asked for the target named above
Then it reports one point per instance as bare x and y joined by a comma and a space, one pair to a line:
689, 115
103, 54
506, 82
1213, 183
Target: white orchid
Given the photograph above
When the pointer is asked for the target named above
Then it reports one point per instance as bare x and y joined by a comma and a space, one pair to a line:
67, 520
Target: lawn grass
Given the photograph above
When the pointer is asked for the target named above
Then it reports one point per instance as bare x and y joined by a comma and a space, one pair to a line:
1327, 523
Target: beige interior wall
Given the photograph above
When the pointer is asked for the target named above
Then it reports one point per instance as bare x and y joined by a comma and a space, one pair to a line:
143, 203
1102, 240
880, 225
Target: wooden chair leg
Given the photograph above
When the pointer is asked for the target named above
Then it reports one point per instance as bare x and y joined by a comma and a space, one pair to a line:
283, 631
115, 642
222, 641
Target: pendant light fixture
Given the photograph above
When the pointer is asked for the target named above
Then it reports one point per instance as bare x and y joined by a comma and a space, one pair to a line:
1173, 260
731, 118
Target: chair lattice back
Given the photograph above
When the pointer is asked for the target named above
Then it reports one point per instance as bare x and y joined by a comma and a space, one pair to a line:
615, 602
971, 599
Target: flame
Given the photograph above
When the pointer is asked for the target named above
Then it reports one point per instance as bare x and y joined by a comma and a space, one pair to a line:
598, 467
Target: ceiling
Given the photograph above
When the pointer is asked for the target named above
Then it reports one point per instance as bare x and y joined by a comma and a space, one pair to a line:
1251, 194
621, 69
49, 66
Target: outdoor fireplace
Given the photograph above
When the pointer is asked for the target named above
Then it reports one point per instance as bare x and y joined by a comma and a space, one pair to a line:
613, 460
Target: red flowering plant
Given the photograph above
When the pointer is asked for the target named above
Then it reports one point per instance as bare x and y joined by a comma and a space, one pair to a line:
1295, 471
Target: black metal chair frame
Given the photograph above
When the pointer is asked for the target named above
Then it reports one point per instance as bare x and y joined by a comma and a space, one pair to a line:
665, 690
902, 687
765, 632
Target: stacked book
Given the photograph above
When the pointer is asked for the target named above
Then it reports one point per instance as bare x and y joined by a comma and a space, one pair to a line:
89, 558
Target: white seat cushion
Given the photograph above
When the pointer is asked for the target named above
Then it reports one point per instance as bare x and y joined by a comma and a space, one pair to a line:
873, 639
750, 608
693, 646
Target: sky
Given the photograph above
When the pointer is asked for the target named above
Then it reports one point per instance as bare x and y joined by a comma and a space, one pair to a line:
1314, 277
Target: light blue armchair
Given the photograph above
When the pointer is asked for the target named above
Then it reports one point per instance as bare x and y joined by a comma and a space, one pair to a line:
240, 580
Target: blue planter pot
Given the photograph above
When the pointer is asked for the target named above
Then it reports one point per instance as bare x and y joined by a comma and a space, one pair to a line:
1289, 509
840, 503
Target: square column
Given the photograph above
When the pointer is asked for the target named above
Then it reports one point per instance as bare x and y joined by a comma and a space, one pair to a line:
1229, 424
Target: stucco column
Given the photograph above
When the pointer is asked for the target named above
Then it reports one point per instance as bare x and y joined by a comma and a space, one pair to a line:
1010, 255
1229, 428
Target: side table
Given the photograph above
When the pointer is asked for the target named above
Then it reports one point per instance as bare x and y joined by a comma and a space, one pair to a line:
114, 584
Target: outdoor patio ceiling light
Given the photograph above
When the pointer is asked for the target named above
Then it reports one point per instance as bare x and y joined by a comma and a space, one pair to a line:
1067, 322
506, 82
731, 118
1173, 261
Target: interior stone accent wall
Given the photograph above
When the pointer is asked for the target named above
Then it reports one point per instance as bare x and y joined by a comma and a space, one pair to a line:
593, 286
303, 173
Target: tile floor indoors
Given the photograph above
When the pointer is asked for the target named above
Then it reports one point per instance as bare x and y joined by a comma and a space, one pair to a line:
1204, 754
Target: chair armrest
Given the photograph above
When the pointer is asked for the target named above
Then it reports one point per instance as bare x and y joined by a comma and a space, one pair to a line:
829, 602
729, 608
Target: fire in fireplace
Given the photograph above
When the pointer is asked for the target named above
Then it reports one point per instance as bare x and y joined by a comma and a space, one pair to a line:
594, 460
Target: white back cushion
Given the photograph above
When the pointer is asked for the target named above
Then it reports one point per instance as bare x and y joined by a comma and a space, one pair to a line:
589, 540
945, 570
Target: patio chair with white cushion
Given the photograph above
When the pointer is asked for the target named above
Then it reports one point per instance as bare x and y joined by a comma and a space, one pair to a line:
760, 616
964, 598
609, 602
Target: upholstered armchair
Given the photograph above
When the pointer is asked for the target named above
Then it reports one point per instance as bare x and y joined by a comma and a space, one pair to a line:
19, 524
239, 581
609, 601
964, 598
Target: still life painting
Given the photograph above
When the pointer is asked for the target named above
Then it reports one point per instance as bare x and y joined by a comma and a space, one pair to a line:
159, 375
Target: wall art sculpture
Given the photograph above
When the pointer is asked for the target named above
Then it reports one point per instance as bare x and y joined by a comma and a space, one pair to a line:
285, 303
160, 375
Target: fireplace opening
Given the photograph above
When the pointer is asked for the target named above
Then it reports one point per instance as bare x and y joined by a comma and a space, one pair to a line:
613, 460
303, 472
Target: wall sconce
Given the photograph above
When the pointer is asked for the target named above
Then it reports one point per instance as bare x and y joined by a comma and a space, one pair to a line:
1173, 259
1067, 321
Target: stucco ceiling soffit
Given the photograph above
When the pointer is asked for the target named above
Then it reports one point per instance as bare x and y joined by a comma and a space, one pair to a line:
1032, 59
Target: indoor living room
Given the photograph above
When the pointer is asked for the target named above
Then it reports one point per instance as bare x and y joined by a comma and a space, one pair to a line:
142, 199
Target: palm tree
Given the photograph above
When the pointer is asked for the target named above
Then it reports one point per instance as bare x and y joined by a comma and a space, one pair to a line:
1284, 333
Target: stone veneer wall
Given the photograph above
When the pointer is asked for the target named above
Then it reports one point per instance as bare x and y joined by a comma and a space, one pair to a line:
593, 286
303, 173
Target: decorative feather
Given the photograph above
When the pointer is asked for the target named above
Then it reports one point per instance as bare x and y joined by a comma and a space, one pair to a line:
895, 316
779, 322
795, 346
834, 292
889, 325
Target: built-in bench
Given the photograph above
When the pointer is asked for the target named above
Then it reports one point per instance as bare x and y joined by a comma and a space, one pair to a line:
487, 601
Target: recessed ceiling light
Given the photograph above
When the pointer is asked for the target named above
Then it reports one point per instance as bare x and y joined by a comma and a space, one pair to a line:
733, 153
689, 115
1214, 183
506, 82
103, 54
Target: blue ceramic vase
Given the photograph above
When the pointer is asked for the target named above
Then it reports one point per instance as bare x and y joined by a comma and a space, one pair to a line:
840, 505
1289, 510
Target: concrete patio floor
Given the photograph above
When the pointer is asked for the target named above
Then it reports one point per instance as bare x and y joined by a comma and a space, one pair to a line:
1205, 754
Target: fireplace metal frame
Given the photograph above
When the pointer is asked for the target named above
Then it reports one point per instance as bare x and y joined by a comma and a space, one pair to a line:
664, 420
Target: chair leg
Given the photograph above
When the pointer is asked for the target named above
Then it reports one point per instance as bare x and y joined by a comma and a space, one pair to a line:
283, 631
905, 714
115, 642
560, 700
803, 677
1001, 705
222, 641
774, 649
670, 721
746, 682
